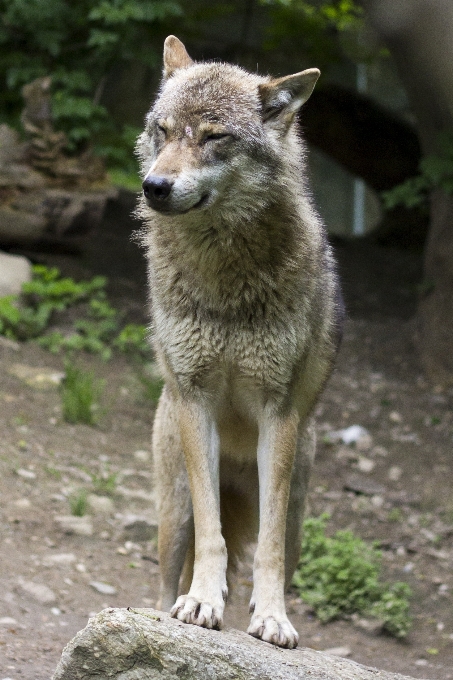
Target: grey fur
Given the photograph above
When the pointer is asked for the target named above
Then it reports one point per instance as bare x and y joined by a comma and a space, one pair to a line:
246, 321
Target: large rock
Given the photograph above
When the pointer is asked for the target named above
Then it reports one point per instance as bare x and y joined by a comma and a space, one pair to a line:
35, 206
142, 644
14, 271
49, 214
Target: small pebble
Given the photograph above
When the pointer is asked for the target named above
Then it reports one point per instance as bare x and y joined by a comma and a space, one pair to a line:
103, 588
377, 501
100, 504
339, 651
38, 591
394, 473
365, 464
26, 474
7, 621
142, 455
70, 524
60, 558
23, 503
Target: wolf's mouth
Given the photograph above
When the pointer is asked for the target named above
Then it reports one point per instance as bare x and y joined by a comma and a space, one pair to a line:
168, 209
200, 203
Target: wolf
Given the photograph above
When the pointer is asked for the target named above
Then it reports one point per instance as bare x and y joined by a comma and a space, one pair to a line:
246, 319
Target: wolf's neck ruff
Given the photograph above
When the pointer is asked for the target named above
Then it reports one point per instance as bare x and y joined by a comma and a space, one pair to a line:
249, 269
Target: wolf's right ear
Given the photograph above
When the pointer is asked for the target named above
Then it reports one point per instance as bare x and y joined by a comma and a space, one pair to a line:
175, 56
283, 97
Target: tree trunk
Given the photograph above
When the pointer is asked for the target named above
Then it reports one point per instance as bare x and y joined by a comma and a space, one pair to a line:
141, 644
419, 33
435, 328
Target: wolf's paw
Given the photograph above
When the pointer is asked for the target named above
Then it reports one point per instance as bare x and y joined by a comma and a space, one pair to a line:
277, 631
191, 610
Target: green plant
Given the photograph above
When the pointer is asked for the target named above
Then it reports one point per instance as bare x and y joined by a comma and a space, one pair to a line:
339, 576
152, 388
22, 322
152, 383
50, 288
27, 316
105, 482
51, 470
395, 515
56, 342
325, 25
133, 340
91, 335
436, 171
79, 44
79, 503
80, 394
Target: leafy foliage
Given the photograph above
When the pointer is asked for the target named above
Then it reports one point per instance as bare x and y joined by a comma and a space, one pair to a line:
152, 387
436, 171
339, 576
28, 316
133, 340
105, 482
320, 22
78, 44
82, 45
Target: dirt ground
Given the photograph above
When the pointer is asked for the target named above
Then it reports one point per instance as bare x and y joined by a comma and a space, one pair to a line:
396, 490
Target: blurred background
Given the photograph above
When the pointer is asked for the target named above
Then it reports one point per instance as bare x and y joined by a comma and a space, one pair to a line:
78, 78
79, 383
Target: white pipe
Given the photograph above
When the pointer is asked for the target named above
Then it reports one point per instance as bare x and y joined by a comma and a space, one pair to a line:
358, 205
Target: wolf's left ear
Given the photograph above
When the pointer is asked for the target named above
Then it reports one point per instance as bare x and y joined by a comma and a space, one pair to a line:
283, 97
175, 56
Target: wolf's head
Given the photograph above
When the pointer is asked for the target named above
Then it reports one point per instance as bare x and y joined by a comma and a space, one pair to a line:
217, 134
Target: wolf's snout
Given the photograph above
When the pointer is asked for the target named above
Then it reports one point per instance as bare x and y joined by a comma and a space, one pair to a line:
157, 189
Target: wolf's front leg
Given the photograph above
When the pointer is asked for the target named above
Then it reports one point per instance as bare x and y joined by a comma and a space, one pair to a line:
205, 601
276, 451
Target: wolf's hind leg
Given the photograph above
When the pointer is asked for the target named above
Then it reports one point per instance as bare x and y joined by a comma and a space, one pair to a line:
173, 501
297, 496
239, 517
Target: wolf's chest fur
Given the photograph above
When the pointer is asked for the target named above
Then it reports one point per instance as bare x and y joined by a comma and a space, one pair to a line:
231, 316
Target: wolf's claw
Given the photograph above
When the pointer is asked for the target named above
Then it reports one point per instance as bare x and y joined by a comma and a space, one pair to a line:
190, 610
277, 632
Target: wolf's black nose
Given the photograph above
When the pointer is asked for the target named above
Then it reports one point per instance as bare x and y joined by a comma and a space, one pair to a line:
157, 188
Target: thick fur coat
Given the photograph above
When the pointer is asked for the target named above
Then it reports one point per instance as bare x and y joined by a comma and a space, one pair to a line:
246, 319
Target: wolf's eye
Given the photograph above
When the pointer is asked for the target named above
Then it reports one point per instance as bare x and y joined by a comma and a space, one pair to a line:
214, 136
161, 129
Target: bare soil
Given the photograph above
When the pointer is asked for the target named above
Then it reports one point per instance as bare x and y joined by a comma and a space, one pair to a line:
396, 490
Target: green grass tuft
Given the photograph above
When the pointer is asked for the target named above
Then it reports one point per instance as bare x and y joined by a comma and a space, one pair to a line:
80, 393
79, 503
105, 483
339, 576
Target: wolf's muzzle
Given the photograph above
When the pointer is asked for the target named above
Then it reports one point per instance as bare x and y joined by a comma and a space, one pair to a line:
156, 190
